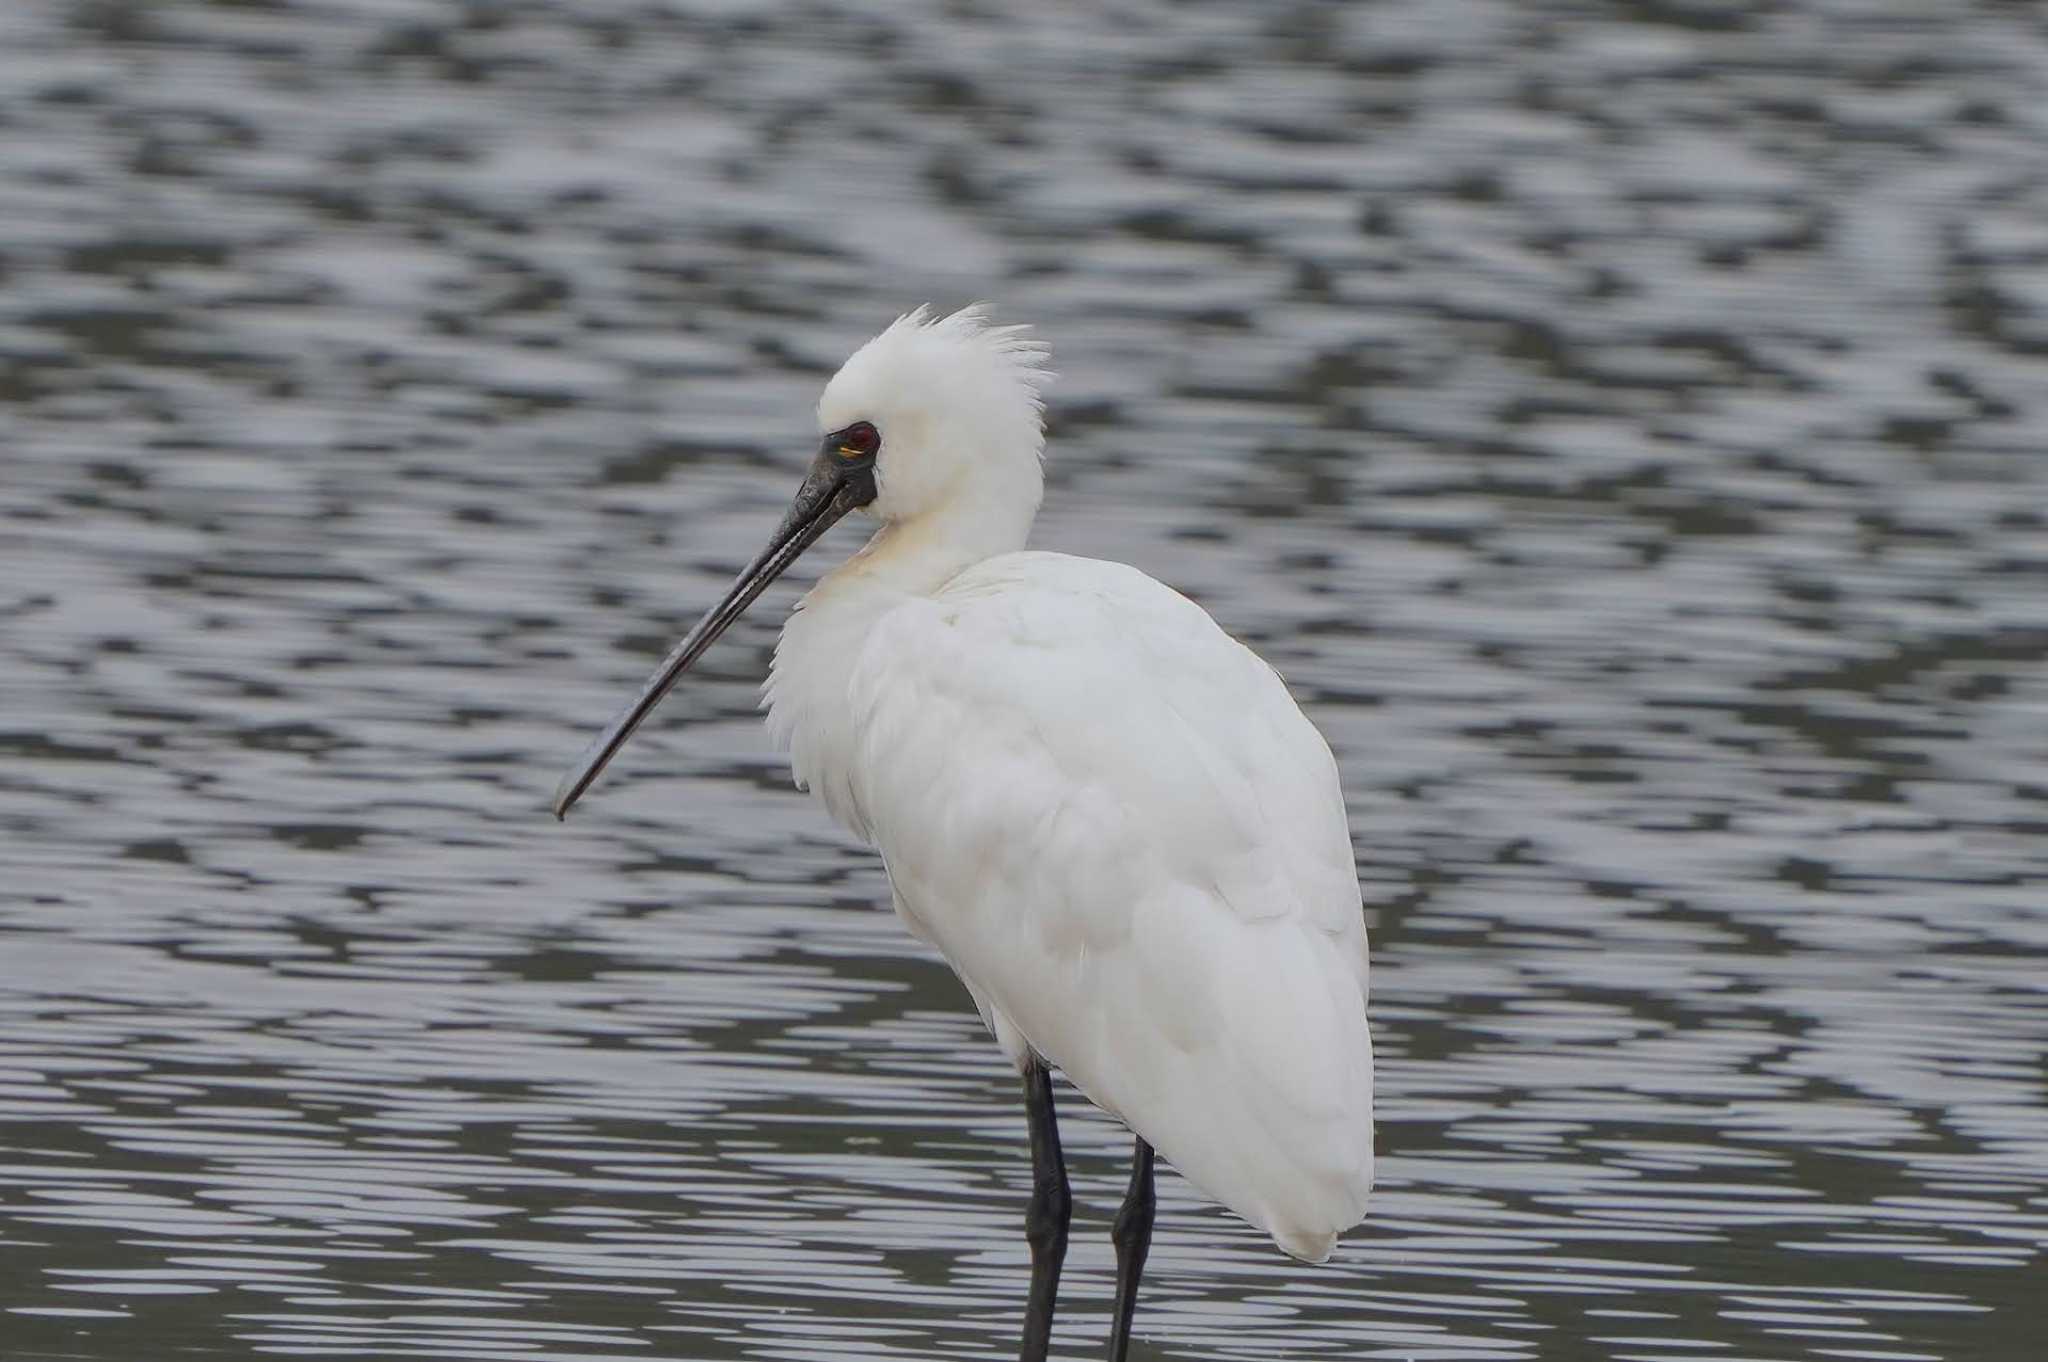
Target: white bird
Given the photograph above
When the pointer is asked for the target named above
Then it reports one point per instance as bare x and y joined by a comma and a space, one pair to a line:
1107, 814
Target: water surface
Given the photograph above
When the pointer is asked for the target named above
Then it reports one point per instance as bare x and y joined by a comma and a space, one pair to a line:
1622, 423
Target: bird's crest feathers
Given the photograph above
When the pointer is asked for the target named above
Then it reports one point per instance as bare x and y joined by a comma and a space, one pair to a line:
1027, 359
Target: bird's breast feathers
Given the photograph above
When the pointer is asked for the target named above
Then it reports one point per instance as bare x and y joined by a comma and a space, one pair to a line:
1082, 717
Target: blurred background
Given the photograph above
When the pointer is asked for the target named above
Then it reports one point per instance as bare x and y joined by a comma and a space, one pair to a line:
1623, 423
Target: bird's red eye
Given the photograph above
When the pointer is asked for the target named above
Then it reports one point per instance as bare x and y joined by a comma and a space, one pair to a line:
858, 441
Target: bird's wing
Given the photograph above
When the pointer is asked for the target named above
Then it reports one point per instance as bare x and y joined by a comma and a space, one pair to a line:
1116, 824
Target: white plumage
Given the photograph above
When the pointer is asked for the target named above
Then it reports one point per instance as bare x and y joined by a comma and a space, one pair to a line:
1108, 815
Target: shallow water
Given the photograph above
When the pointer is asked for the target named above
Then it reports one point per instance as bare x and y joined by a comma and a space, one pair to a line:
1624, 424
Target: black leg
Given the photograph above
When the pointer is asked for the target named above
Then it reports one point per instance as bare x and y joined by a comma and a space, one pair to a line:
1133, 1238
1045, 1222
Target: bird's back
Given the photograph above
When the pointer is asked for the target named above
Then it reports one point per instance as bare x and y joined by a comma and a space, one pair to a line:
1117, 826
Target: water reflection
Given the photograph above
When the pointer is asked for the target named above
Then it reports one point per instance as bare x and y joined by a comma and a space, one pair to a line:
1621, 424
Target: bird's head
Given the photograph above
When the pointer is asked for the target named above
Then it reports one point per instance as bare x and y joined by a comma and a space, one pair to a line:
944, 410
935, 417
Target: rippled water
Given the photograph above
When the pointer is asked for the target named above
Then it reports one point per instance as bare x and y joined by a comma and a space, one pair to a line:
1624, 424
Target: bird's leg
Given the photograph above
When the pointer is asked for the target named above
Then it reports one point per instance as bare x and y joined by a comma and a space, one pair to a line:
1045, 1222
1132, 1236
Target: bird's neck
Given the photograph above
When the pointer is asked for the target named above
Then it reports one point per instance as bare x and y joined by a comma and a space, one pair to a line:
810, 710
918, 556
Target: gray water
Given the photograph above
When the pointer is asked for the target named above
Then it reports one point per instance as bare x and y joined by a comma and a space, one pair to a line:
1626, 425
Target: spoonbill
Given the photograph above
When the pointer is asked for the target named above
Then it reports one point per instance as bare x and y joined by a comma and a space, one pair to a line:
1107, 814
